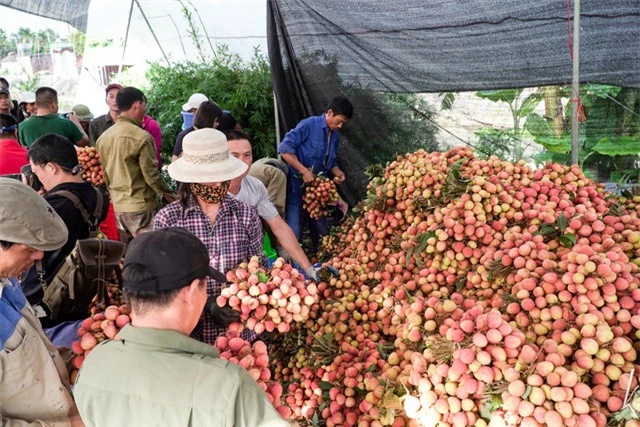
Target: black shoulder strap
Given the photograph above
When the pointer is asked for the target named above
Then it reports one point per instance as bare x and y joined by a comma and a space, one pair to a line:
97, 213
77, 203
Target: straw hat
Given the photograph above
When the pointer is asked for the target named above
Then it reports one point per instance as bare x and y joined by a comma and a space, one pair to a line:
205, 158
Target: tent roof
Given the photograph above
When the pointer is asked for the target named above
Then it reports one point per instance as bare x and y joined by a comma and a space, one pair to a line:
217, 22
416, 46
455, 45
73, 12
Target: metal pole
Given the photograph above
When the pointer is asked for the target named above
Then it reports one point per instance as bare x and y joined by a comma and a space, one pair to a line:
126, 39
204, 28
575, 85
277, 118
186, 58
153, 33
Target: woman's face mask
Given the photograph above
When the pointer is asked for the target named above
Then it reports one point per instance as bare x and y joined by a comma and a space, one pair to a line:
209, 193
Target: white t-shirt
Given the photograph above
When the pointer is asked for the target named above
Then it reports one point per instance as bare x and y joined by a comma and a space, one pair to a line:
254, 193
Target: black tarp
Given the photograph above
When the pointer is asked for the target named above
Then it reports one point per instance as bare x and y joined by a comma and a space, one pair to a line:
320, 47
73, 12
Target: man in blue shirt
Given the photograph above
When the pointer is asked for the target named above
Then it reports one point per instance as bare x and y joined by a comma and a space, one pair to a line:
310, 149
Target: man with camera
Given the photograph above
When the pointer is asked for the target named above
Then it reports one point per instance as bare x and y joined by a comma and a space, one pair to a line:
48, 121
34, 383
54, 162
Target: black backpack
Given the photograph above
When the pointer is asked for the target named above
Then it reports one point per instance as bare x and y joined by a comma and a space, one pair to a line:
85, 271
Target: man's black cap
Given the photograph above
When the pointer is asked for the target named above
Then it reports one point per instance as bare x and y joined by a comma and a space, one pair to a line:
174, 257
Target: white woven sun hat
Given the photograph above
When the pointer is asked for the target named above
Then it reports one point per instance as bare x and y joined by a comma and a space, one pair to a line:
205, 158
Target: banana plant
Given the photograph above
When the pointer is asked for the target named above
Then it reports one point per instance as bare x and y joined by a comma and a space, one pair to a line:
610, 138
520, 105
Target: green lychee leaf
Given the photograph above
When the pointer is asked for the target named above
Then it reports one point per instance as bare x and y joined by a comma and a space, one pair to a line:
324, 385
488, 408
548, 230
568, 240
562, 222
409, 254
262, 277
361, 392
496, 401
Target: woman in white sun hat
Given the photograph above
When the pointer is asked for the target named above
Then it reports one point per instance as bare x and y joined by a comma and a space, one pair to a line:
231, 230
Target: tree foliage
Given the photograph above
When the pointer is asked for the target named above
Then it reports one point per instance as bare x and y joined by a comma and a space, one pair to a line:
78, 39
495, 142
609, 139
521, 106
242, 87
7, 43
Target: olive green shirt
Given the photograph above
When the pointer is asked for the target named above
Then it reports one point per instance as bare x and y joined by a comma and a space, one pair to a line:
155, 377
128, 157
36, 126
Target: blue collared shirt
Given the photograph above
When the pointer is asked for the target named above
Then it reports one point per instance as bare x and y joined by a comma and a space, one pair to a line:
12, 301
310, 142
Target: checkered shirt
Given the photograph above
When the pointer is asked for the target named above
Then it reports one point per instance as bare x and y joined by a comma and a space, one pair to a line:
234, 237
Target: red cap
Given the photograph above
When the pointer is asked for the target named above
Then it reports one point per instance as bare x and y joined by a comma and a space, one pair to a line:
113, 86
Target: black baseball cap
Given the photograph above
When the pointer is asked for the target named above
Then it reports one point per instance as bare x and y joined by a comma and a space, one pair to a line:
174, 257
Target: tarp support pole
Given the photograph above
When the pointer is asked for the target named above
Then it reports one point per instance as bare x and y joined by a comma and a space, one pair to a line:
575, 85
153, 33
277, 119
126, 39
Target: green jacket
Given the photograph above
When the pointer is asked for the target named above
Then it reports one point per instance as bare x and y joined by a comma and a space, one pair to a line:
128, 157
155, 377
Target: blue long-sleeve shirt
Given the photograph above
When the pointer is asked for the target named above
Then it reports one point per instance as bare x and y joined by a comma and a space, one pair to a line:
311, 144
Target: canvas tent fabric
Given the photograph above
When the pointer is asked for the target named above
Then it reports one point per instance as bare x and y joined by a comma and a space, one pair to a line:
318, 48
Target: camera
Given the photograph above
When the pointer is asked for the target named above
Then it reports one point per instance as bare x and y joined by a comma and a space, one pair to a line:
65, 115
32, 178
